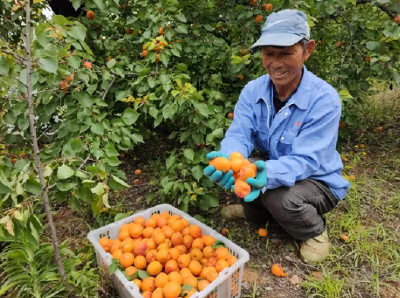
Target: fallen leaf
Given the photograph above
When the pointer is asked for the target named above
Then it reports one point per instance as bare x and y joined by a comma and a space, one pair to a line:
317, 274
295, 280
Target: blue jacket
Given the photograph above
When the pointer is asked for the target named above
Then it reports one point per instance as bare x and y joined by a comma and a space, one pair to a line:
299, 141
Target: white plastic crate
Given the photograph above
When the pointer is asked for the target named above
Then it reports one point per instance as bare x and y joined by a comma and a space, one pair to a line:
227, 285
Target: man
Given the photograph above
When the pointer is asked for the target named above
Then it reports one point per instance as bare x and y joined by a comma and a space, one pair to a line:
292, 117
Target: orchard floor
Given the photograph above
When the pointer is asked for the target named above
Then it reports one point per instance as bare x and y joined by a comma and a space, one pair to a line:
365, 266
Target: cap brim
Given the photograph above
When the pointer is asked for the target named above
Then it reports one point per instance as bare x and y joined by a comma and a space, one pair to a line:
280, 40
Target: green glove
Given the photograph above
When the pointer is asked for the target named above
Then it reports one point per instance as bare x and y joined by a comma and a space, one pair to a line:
225, 180
257, 184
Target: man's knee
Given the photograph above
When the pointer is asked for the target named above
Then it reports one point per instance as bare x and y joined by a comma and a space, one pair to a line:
282, 202
255, 212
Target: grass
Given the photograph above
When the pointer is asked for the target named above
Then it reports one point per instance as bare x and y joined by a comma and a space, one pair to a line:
368, 264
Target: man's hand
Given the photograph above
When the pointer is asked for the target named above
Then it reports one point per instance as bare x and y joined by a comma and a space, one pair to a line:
225, 180
258, 183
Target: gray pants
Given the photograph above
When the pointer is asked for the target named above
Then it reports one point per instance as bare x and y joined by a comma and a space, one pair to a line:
297, 209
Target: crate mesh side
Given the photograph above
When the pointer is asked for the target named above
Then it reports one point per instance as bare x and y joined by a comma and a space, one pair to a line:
106, 234
213, 294
235, 283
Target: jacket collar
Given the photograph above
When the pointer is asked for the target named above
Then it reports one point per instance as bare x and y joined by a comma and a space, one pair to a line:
301, 98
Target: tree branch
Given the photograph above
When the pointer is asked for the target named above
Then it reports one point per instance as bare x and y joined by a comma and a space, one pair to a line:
109, 86
36, 150
390, 13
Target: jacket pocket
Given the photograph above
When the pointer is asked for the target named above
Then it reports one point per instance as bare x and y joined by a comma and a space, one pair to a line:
262, 125
262, 138
285, 142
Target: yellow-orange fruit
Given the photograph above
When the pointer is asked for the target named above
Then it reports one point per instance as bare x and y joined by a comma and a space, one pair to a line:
221, 163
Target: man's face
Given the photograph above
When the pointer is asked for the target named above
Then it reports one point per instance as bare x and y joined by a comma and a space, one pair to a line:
284, 65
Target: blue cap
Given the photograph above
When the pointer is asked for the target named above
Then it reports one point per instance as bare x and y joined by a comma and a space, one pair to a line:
283, 28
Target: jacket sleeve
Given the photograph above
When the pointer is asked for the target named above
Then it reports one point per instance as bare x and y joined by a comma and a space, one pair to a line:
241, 133
308, 149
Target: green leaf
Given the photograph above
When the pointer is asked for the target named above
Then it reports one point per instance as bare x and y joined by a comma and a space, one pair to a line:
168, 187
181, 17
115, 137
130, 116
23, 123
110, 150
150, 197
85, 194
98, 129
120, 182
77, 32
143, 274
137, 138
211, 200
119, 95
76, 145
218, 244
197, 172
172, 135
113, 267
73, 203
153, 112
188, 153
48, 64
164, 78
384, 58
111, 63
187, 287
99, 189
164, 58
218, 133
113, 161
208, 27
5, 189
285, 4
200, 218
372, 45
202, 108
147, 34
131, 20
169, 34
175, 52
170, 161
86, 47
4, 67
99, 4
97, 205
396, 77
76, 4
182, 67
64, 172
32, 186
5, 288
120, 216
181, 29
10, 118
81, 175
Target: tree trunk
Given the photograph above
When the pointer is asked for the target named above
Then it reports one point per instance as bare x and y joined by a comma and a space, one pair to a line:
32, 127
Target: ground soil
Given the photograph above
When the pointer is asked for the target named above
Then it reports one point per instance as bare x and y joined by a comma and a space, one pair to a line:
278, 247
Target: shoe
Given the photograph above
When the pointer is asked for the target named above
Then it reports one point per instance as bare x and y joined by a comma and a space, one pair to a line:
315, 250
233, 212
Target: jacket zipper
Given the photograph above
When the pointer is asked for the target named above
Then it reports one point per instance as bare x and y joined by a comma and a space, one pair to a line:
286, 106
267, 110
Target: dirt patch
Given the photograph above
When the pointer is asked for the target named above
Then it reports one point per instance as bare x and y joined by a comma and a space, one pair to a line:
69, 226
